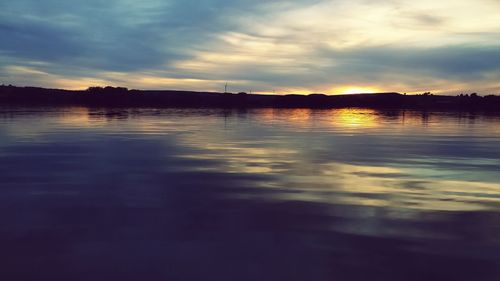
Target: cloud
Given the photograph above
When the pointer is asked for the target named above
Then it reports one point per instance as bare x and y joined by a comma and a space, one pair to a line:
454, 62
307, 45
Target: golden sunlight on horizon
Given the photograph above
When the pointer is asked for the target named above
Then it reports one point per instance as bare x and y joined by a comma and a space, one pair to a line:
357, 90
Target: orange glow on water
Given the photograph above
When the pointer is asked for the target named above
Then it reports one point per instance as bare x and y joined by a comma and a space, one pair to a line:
364, 118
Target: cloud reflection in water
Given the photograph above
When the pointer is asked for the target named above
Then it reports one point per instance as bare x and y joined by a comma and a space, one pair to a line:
251, 194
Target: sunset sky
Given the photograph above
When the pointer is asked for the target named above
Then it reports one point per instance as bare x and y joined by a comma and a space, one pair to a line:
302, 46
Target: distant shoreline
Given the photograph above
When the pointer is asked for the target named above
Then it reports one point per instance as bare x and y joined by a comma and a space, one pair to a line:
122, 97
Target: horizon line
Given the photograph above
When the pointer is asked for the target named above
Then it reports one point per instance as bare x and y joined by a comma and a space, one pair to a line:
274, 93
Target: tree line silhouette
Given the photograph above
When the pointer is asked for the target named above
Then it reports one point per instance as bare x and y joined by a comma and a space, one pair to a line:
123, 97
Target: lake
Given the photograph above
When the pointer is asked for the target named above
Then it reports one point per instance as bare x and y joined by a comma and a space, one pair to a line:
257, 194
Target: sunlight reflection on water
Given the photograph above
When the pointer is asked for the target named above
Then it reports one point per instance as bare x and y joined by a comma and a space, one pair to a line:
325, 192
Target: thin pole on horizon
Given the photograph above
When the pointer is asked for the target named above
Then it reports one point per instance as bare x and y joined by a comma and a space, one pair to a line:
225, 88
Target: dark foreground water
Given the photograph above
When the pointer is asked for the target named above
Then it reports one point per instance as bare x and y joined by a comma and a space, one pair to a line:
197, 194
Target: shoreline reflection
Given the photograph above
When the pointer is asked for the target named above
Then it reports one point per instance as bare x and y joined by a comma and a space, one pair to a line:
257, 194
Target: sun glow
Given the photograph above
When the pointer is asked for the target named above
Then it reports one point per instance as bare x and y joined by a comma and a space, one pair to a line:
358, 90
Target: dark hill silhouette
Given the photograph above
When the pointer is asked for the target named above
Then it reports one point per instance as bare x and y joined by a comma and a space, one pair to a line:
122, 97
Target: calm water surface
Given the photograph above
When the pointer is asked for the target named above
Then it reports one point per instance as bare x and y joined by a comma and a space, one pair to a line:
265, 194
